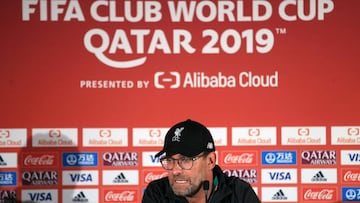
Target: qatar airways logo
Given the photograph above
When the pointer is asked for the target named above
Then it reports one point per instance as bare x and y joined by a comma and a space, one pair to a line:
8, 196
122, 159
39, 177
244, 158
248, 175
318, 157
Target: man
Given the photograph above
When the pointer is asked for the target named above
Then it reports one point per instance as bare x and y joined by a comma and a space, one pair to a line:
193, 175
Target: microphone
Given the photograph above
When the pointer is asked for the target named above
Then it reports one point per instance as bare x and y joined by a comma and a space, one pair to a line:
206, 186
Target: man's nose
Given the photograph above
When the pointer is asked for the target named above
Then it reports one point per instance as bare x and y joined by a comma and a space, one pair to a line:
177, 168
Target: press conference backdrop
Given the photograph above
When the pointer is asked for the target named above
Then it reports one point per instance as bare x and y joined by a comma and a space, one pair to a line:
89, 89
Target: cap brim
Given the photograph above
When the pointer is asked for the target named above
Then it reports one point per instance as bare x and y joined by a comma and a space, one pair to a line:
159, 153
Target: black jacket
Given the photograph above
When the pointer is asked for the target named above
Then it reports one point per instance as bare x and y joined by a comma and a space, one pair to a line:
229, 190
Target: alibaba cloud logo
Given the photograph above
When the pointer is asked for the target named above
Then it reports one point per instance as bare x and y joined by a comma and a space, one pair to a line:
171, 80
54, 133
4, 133
353, 131
254, 132
303, 131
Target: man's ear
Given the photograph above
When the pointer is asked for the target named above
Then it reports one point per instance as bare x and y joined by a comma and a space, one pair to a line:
212, 159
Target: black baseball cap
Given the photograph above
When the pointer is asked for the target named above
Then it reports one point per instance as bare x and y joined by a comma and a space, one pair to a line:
188, 138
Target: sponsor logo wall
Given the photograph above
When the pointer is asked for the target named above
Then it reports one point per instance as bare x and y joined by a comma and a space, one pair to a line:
90, 88
68, 170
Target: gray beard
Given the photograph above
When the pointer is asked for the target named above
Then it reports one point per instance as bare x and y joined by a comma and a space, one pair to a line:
194, 192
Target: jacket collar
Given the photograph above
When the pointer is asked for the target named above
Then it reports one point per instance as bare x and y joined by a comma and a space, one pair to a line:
220, 191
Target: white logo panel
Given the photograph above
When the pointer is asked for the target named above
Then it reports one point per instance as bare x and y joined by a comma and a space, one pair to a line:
80, 177
120, 177
105, 137
80, 195
303, 135
149, 137
8, 160
350, 157
318, 175
219, 136
15, 137
276, 176
279, 194
253, 136
349, 135
54, 137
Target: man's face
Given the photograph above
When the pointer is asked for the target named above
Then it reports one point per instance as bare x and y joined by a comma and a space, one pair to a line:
187, 182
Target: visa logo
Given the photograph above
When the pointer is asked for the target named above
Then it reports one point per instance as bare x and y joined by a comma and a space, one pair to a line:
155, 159
40, 196
354, 157
85, 177
280, 176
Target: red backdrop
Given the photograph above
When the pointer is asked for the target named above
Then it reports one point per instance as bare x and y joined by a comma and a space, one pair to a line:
45, 63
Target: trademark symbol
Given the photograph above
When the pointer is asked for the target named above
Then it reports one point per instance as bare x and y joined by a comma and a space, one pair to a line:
280, 31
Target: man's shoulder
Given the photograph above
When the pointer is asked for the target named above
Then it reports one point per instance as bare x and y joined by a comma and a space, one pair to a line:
230, 180
159, 183
157, 191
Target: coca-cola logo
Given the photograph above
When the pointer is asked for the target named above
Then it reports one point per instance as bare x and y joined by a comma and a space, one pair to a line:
152, 176
42, 160
120, 196
321, 194
351, 176
243, 158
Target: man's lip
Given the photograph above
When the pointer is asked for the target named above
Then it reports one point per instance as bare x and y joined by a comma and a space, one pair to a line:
181, 181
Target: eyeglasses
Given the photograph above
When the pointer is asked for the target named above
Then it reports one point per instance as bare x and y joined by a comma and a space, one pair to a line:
185, 163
